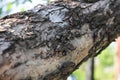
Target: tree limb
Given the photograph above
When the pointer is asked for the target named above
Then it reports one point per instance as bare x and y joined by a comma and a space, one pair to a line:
49, 42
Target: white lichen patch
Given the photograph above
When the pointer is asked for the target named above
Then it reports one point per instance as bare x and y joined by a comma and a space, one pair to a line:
17, 29
84, 40
45, 12
56, 16
85, 29
63, 24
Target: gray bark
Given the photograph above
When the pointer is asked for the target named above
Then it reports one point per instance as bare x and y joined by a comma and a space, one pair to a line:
49, 42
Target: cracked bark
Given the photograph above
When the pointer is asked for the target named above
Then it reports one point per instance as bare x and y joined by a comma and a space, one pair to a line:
49, 42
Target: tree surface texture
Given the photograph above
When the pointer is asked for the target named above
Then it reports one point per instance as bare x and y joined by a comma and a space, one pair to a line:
50, 42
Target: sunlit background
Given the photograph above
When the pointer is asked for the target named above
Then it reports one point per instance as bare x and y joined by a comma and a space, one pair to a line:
13, 6
103, 64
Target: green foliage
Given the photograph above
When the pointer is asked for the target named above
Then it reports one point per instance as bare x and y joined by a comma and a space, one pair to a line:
22, 9
106, 57
104, 69
104, 73
8, 6
80, 74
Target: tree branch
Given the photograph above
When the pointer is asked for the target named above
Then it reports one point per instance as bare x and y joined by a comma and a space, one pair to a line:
49, 42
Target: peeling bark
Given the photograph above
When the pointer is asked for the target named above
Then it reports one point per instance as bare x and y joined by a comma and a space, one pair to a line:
49, 42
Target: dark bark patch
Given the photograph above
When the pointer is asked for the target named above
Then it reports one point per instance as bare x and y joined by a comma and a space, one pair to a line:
61, 73
66, 67
28, 78
16, 65
90, 1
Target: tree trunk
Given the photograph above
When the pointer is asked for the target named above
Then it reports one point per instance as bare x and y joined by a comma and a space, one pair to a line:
90, 69
49, 42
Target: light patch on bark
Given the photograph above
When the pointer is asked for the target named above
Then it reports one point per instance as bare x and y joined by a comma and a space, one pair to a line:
110, 21
86, 41
63, 24
96, 6
17, 29
57, 16
3, 45
45, 13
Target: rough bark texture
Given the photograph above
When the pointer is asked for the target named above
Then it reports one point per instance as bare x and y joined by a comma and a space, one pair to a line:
49, 42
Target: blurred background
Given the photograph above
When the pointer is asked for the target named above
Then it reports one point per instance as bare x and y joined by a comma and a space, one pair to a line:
103, 67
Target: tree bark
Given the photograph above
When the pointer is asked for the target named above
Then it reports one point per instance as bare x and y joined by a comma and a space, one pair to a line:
49, 42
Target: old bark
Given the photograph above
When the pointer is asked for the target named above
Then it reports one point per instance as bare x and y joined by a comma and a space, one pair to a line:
49, 42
